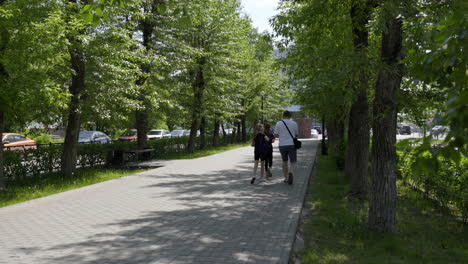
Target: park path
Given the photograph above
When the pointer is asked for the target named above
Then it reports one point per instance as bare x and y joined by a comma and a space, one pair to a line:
188, 211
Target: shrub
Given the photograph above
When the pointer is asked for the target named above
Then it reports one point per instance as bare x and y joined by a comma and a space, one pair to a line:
439, 178
42, 138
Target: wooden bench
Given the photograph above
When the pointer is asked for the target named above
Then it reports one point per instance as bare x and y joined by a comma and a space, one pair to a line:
138, 155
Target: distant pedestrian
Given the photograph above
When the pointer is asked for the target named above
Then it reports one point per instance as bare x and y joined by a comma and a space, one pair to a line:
286, 130
260, 143
269, 154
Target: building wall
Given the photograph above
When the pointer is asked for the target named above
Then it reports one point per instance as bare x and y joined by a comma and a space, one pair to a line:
304, 125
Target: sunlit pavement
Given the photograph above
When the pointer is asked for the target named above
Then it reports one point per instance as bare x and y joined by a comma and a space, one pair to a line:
188, 211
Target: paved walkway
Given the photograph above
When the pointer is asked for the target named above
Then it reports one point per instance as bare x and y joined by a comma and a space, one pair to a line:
189, 211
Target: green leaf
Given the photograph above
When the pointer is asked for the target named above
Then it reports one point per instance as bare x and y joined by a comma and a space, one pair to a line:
86, 9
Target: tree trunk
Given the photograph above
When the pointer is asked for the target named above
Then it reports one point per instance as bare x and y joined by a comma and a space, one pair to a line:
244, 128
382, 205
141, 123
216, 133
142, 115
224, 134
2, 170
357, 150
198, 87
324, 144
70, 147
203, 133
336, 128
239, 134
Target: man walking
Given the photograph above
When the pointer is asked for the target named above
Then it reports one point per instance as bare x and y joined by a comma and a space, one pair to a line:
286, 130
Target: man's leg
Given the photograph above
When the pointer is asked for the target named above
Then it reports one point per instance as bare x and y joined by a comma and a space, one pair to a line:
293, 159
285, 170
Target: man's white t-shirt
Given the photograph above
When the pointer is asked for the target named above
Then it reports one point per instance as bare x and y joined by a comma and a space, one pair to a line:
284, 137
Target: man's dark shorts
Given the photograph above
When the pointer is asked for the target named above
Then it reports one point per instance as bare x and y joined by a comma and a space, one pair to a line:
288, 151
260, 156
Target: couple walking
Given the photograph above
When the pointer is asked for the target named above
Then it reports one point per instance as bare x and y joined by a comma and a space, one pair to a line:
285, 130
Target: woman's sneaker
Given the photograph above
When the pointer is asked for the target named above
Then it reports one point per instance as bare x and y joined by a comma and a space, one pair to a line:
290, 179
269, 174
252, 181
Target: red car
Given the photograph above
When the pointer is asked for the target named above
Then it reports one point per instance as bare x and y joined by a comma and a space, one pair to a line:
13, 141
129, 135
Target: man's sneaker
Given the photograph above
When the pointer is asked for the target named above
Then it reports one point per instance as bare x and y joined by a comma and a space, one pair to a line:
290, 179
252, 181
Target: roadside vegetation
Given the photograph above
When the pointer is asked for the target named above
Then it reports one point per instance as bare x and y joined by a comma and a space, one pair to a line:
336, 229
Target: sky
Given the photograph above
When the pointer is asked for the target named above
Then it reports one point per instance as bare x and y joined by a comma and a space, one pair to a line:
260, 11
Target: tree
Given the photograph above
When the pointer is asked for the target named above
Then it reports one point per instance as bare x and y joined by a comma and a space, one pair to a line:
357, 149
382, 204
30, 81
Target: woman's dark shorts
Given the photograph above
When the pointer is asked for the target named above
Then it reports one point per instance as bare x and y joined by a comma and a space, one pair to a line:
260, 156
288, 152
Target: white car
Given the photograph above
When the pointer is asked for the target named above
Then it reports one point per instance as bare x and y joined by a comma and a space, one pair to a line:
314, 133
157, 134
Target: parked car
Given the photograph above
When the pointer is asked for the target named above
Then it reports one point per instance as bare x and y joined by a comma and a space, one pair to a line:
177, 133
93, 137
314, 133
318, 128
15, 141
158, 134
129, 135
405, 130
187, 133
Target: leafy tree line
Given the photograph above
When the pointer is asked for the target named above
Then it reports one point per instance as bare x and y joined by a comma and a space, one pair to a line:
133, 64
361, 64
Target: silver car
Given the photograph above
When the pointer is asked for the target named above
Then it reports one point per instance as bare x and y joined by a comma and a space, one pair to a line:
93, 137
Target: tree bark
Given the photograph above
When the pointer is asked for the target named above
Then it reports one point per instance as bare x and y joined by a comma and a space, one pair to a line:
239, 133
2, 170
198, 87
216, 133
336, 129
324, 147
357, 150
382, 205
70, 147
203, 133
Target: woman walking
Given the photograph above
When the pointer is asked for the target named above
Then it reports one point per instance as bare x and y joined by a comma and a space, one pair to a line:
260, 143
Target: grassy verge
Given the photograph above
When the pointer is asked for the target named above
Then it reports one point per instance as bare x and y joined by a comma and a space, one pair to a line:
46, 185
336, 230
203, 152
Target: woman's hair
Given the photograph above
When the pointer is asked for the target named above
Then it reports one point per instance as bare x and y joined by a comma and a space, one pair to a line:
258, 128
267, 128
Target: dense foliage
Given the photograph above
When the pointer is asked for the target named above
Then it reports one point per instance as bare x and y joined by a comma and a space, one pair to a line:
145, 64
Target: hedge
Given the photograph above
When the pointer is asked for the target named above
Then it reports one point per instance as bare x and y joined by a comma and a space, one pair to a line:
46, 158
442, 180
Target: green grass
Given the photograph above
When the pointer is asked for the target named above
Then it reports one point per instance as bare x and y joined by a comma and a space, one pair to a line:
203, 152
46, 185
336, 230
